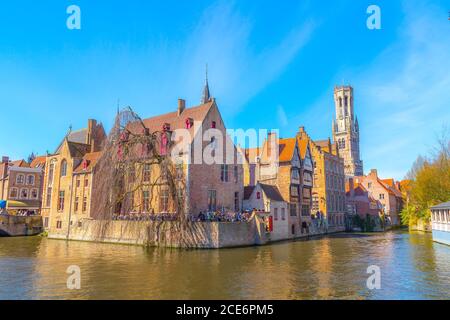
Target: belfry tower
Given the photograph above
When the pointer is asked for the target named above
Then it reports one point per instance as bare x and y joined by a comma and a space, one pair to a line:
346, 131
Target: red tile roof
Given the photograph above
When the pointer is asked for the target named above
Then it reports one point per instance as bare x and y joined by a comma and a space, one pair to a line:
302, 146
38, 162
91, 160
358, 189
390, 182
392, 190
20, 163
176, 121
286, 149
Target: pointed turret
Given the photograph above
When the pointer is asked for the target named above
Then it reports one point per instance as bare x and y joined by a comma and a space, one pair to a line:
356, 124
206, 94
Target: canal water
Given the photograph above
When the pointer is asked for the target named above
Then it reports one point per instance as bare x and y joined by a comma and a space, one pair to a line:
335, 267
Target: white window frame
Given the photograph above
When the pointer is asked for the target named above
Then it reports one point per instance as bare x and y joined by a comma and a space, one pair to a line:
37, 193
33, 181
28, 193
17, 193
20, 176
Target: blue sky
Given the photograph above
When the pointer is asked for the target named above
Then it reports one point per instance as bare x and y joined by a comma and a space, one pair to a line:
272, 64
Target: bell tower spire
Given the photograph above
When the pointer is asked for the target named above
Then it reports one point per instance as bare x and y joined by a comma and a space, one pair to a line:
346, 131
206, 94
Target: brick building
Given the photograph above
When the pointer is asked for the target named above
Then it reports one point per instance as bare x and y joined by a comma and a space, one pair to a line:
281, 165
360, 201
385, 191
20, 185
207, 187
329, 182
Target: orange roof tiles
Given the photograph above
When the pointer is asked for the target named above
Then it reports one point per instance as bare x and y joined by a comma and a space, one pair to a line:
176, 121
91, 158
286, 149
38, 161
390, 182
20, 163
302, 146
392, 190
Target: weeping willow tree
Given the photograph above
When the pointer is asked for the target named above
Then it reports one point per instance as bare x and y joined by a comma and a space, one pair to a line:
134, 173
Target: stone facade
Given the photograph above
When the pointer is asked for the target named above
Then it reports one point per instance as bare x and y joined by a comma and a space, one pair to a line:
346, 131
69, 178
206, 235
19, 226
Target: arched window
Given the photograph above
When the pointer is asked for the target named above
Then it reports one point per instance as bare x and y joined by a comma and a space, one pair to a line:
20, 179
24, 193
30, 179
34, 194
13, 193
51, 170
340, 101
63, 168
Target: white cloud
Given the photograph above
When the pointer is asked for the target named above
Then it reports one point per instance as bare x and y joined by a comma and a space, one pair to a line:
222, 39
282, 117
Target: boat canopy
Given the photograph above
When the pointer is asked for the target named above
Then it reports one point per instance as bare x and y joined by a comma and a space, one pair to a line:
19, 205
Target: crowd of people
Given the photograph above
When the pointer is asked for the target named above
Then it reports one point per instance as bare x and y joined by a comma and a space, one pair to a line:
201, 217
222, 216
19, 213
145, 217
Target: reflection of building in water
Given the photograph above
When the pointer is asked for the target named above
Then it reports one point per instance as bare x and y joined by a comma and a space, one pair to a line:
323, 270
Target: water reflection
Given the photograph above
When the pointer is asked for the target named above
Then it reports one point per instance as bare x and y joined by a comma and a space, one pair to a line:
413, 267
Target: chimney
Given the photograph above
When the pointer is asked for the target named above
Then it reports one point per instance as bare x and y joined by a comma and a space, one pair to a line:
90, 136
272, 146
373, 172
301, 129
181, 106
351, 186
5, 159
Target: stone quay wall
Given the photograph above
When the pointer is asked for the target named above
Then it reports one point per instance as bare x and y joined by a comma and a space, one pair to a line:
208, 235
174, 234
17, 226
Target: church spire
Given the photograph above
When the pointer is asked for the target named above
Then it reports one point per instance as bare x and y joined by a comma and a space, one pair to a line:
206, 94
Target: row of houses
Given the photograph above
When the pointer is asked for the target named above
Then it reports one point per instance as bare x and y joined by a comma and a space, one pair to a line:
299, 183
